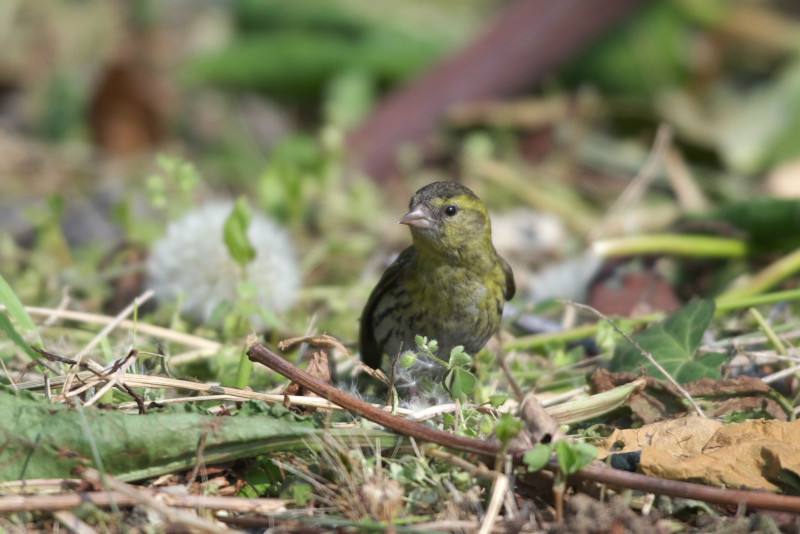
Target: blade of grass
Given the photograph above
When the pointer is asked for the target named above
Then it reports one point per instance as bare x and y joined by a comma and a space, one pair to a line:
18, 313
678, 244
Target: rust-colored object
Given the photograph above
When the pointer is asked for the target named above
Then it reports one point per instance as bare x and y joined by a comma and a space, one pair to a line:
527, 40
632, 294
126, 114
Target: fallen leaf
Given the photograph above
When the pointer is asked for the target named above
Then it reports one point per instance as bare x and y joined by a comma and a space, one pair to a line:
660, 400
756, 454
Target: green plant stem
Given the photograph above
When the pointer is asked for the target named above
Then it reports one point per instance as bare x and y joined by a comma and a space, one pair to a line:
244, 371
768, 331
767, 277
540, 340
728, 302
677, 244
724, 305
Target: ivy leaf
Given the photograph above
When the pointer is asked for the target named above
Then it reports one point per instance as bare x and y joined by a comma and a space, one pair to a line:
673, 343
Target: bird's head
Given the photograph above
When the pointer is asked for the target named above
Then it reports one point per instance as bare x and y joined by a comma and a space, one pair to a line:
448, 218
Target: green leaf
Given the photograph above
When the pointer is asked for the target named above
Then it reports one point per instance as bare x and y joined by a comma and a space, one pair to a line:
449, 420
15, 307
486, 424
41, 439
572, 457
239, 246
459, 358
407, 359
770, 224
673, 343
538, 456
17, 311
459, 382
13, 335
299, 492
498, 399
508, 426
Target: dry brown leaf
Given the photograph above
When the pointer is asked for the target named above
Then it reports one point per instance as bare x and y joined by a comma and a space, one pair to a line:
319, 368
660, 400
679, 437
757, 454
324, 341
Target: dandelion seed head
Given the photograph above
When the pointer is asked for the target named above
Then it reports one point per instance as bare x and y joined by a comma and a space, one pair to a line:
191, 261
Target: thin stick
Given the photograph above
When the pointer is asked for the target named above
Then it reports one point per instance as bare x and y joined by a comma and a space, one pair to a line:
144, 498
161, 382
138, 301
501, 359
499, 489
115, 378
779, 375
72, 523
65, 300
155, 331
67, 501
644, 353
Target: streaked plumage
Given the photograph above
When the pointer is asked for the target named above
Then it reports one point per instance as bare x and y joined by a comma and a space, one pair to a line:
449, 285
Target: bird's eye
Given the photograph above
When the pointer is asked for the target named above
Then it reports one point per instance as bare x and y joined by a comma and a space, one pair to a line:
450, 211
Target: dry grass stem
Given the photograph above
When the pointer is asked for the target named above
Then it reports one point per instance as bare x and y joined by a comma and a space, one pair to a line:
115, 378
160, 382
499, 489
72, 523
144, 498
780, 375
207, 346
141, 299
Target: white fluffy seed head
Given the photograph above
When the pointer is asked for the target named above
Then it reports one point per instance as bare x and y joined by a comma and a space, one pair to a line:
192, 261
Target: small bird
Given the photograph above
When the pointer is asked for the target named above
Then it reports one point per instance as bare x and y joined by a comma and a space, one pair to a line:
449, 285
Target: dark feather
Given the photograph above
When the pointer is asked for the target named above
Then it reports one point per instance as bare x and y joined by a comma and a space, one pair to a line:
511, 286
371, 352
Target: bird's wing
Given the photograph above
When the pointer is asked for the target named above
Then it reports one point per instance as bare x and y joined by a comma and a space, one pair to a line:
371, 353
511, 286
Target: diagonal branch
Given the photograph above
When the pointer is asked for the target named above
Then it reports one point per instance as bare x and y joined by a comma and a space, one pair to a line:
595, 473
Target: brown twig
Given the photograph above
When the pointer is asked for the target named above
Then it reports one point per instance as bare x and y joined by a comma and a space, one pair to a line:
185, 519
594, 473
199, 459
103, 499
501, 359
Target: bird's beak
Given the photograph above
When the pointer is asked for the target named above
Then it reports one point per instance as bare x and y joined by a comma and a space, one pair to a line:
417, 217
